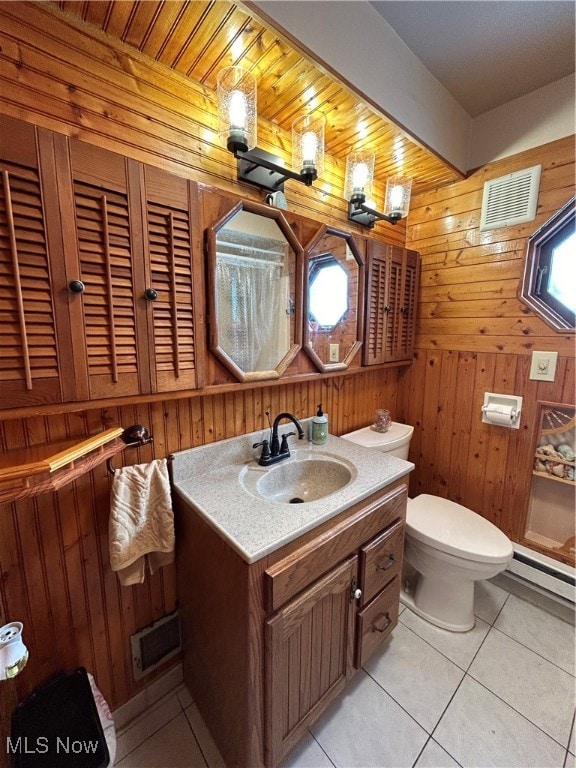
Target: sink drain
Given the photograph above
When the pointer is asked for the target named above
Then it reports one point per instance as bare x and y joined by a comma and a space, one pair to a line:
296, 500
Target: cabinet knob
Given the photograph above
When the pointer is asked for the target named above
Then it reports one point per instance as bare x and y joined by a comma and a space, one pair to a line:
76, 286
150, 294
387, 308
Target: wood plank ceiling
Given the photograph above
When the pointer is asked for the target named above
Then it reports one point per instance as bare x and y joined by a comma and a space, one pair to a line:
197, 38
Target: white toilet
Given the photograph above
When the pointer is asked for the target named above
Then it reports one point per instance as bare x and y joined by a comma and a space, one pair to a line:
449, 546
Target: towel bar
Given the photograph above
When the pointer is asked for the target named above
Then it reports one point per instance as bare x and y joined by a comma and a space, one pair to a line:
134, 437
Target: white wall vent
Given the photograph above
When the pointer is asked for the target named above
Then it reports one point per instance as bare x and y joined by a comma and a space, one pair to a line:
510, 199
155, 644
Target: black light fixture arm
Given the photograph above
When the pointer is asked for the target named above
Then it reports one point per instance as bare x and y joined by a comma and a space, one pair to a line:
358, 208
253, 160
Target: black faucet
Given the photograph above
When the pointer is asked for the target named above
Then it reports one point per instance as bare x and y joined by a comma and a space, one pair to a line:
275, 450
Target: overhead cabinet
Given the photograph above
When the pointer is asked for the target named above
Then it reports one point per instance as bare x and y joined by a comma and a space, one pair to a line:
133, 240
391, 296
35, 345
98, 260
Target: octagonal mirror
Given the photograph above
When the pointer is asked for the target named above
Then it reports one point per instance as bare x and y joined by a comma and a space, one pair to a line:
255, 289
334, 299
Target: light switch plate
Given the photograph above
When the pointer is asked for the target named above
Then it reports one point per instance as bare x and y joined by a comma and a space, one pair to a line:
543, 366
334, 353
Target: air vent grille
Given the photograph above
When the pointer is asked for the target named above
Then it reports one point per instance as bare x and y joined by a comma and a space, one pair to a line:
510, 199
154, 645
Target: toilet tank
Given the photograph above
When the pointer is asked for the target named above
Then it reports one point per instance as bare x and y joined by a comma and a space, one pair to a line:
396, 441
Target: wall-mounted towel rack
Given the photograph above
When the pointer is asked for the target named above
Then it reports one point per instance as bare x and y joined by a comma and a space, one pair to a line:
134, 437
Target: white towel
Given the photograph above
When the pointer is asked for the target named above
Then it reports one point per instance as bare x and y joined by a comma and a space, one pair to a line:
141, 526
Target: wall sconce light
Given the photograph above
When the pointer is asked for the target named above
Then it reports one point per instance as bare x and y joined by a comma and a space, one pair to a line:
358, 189
237, 118
13, 652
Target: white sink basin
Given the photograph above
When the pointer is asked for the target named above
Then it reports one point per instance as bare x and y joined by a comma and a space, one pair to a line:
297, 481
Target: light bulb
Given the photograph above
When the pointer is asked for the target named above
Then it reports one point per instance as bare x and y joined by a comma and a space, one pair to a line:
309, 148
237, 110
359, 177
396, 197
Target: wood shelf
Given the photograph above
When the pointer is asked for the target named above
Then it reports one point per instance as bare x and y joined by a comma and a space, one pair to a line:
44, 468
549, 476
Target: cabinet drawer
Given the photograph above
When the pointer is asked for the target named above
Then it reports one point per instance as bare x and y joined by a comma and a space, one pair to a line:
334, 542
381, 560
376, 620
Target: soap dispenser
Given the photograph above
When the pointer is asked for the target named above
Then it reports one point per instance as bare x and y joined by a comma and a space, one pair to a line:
320, 427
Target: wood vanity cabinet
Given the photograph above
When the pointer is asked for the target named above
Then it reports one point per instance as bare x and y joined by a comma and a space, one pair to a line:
393, 277
268, 645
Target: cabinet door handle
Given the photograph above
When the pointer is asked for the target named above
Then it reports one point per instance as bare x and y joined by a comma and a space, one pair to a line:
150, 294
388, 564
385, 616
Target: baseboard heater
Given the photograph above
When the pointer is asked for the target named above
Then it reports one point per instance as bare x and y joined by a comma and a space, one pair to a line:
543, 572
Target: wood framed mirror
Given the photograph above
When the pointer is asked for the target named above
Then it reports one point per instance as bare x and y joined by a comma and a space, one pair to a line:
333, 299
255, 266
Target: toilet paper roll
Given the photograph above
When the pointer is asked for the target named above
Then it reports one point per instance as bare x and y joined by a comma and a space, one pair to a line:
500, 414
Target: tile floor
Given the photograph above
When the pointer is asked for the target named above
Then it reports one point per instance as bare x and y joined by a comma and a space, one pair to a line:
502, 694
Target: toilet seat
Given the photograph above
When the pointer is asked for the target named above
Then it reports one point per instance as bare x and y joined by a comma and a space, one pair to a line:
453, 528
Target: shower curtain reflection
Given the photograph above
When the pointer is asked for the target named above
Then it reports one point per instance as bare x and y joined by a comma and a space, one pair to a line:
253, 310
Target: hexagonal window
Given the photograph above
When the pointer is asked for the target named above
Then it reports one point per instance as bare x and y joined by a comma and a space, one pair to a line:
549, 285
328, 300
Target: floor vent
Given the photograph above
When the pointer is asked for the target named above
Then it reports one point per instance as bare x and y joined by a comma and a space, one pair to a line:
154, 645
510, 199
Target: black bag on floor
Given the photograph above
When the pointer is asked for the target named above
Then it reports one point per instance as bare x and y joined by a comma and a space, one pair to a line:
58, 726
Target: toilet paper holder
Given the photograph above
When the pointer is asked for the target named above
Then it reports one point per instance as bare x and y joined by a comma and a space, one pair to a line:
503, 410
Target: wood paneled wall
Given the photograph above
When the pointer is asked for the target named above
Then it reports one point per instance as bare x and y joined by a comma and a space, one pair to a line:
105, 92
475, 336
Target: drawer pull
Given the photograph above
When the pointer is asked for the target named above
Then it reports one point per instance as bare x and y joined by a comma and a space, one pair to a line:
388, 564
386, 625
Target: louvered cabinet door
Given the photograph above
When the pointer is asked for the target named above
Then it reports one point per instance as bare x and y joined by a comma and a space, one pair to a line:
29, 360
377, 306
406, 328
168, 247
108, 216
309, 657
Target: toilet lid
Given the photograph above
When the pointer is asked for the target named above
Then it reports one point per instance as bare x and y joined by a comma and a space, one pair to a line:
450, 527
396, 435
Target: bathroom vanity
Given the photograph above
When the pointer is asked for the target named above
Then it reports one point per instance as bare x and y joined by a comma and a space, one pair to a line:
281, 603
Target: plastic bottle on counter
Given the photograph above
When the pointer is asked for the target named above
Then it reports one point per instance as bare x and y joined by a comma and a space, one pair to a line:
319, 427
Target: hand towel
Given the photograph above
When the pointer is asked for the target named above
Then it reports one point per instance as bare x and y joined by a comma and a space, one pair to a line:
141, 526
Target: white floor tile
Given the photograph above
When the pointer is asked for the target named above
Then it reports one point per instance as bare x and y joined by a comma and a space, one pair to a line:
434, 756
533, 686
570, 761
204, 737
308, 754
417, 676
537, 689
174, 746
572, 744
459, 647
479, 730
488, 600
153, 720
364, 727
540, 631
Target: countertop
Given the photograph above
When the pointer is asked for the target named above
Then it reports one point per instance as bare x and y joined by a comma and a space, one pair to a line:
209, 478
